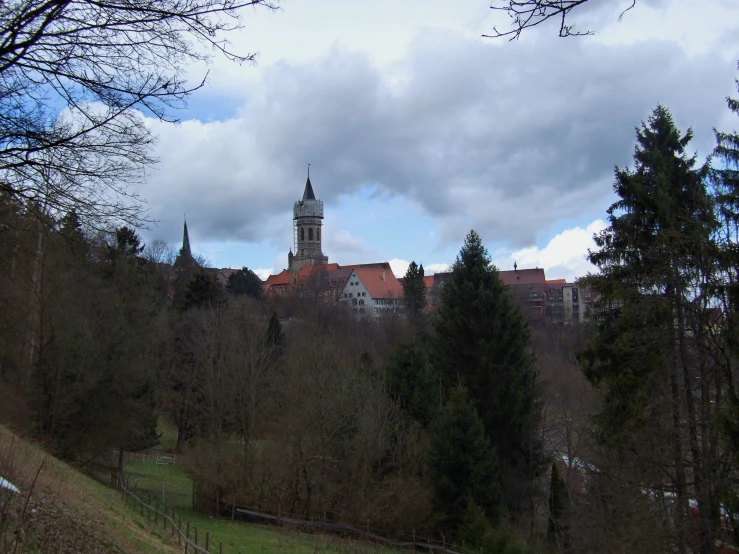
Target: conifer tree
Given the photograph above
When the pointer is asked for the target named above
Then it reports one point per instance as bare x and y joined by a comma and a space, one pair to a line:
558, 497
410, 379
462, 464
274, 334
652, 261
245, 282
414, 292
482, 339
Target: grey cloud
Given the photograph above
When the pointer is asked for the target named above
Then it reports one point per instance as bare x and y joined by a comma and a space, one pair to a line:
506, 137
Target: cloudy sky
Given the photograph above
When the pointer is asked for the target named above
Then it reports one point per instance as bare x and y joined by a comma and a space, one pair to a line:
417, 129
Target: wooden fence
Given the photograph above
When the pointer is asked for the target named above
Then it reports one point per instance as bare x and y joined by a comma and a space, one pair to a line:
189, 539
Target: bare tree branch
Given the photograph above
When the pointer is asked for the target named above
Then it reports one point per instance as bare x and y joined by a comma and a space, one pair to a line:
76, 76
530, 13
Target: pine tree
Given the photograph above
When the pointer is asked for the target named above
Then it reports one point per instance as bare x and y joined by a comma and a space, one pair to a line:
410, 379
462, 465
652, 261
274, 334
203, 290
558, 498
245, 282
414, 292
482, 339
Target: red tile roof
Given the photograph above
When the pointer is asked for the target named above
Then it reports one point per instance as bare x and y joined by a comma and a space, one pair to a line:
282, 278
523, 277
380, 282
429, 281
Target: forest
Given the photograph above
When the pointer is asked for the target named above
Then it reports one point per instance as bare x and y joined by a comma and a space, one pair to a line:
464, 422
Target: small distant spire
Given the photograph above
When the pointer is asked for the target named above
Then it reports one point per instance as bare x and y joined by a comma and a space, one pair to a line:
515, 265
186, 240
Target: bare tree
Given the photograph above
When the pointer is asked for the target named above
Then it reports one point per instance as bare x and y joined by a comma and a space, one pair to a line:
76, 77
530, 13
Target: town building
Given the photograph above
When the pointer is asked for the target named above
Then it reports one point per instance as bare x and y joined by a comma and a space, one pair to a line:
373, 291
567, 302
527, 287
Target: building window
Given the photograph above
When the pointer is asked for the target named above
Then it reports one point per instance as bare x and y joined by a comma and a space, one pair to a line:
534, 294
364, 294
354, 301
310, 233
302, 234
361, 302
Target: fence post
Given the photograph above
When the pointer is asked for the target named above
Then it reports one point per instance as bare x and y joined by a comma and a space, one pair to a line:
172, 526
164, 514
414, 540
187, 536
220, 547
179, 530
217, 503
207, 540
141, 501
233, 509
156, 512
196, 535
148, 507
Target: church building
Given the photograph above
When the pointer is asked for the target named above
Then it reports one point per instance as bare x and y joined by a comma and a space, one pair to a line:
307, 218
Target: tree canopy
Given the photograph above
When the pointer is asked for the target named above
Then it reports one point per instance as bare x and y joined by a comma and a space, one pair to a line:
75, 79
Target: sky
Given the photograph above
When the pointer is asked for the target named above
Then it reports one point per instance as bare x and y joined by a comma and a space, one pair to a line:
418, 129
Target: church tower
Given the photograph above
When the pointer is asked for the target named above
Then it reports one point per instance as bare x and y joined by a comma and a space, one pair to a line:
308, 216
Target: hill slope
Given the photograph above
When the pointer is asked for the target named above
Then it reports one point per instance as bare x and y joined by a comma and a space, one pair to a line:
67, 511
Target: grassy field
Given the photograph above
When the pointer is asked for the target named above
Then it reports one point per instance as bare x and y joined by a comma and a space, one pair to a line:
71, 512
235, 536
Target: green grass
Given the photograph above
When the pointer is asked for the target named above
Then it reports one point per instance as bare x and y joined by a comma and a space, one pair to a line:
235, 536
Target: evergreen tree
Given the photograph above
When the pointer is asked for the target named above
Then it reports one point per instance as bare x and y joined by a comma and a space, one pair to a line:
558, 498
652, 262
245, 282
128, 242
274, 334
414, 292
203, 290
462, 465
482, 338
410, 379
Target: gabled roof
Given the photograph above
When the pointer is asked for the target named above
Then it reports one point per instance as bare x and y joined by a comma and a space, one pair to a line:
428, 281
282, 278
308, 270
378, 265
379, 282
523, 277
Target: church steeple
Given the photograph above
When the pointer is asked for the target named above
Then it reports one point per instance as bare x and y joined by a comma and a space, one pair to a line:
186, 242
307, 215
308, 193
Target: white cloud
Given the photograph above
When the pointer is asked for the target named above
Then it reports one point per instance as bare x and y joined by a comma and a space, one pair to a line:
436, 268
264, 273
399, 267
564, 257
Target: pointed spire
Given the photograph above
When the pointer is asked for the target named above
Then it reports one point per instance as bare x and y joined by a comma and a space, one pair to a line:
186, 241
308, 193
515, 265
